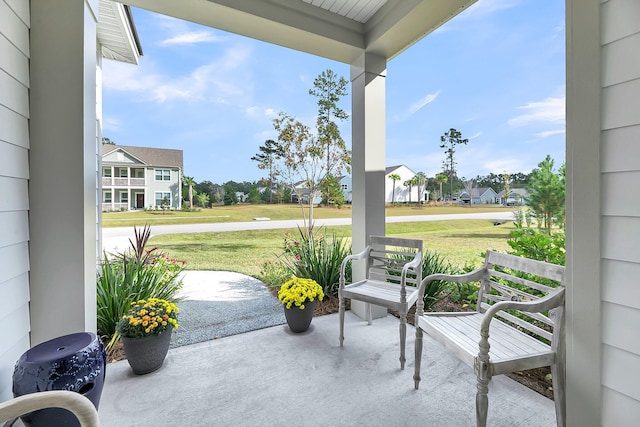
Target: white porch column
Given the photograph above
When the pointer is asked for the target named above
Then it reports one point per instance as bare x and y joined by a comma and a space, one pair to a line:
63, 168
368, 75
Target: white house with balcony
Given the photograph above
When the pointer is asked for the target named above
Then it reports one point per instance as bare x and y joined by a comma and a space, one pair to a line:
140, 177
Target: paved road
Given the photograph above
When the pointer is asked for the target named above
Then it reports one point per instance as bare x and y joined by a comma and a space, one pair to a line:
117, 239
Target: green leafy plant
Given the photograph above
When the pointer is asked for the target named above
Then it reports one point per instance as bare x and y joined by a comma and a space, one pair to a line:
126, 277
433, 263
273, 273
538, 244
298, 291
318, 257
148, 317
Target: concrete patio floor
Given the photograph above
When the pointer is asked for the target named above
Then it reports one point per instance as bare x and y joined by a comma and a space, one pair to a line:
272, 377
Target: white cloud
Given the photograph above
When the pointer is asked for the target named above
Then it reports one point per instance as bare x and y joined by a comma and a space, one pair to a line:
222, 81
476, 135
112, 124
192, 37
550, 110
549, 133
417, 106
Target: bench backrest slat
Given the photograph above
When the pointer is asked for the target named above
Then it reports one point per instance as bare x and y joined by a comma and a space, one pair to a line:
514, 278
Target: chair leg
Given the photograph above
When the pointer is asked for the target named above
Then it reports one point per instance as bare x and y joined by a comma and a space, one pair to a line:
341, 311
418, 350
559, 398
403, 338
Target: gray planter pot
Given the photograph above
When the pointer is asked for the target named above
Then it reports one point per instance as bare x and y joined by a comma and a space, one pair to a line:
299, 320
147, 354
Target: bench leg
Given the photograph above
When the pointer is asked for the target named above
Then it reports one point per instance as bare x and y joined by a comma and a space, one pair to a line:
369, 314
558, 378
341, 311
483, 372
482, 402
416, 373
403, 338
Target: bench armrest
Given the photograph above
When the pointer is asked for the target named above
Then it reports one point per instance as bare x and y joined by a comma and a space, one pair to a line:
473, 276
545, 303
362, 255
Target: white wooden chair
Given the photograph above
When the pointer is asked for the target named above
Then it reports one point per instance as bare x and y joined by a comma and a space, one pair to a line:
510, 331
78, 404
394, 270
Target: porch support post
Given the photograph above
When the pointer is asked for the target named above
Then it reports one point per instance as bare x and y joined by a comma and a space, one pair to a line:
63, 221
368, 75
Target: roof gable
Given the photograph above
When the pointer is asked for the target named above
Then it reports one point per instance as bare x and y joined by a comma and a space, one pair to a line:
159, 157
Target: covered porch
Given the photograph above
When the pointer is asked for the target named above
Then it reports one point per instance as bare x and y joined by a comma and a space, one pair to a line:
272, 377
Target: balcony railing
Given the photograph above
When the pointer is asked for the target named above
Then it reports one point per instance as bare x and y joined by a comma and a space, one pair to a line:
123, 182
112, 207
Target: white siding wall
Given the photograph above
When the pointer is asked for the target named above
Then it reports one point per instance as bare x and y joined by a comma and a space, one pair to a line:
620, 153
14, 197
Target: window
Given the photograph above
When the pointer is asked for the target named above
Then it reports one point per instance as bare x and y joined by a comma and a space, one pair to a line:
106, 197
162, 195
163, 174
124, 197
345, 187
106, 172
123, 173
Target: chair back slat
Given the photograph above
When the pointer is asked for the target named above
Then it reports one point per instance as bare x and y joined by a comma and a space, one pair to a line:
388, 257
512, 278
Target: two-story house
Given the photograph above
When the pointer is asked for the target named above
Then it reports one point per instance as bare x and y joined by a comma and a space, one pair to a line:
140, 177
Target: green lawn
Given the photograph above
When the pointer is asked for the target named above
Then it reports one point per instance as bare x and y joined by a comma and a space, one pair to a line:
461, 241
242, 213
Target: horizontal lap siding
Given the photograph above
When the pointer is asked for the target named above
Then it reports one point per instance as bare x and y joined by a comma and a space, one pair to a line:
620, 151
14, 186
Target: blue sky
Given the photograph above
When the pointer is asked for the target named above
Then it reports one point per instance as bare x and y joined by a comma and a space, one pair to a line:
496, 73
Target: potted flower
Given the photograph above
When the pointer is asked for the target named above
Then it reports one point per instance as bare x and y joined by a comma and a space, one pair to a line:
298, 296
146, 333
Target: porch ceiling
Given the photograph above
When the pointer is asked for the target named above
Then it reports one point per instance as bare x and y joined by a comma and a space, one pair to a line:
117, 33
338, 30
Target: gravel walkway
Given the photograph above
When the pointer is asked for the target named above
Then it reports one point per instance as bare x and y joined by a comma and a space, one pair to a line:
221, 303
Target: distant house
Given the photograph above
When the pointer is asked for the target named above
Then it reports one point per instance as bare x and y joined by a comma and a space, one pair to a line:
402, 193
140, 177
346, 185
481, 195
516, 196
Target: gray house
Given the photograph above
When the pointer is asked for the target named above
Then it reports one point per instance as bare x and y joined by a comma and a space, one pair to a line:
48, 259
140, 177
481, 195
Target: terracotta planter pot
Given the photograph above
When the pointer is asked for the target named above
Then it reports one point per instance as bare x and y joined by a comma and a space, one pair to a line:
147, 354
299, 320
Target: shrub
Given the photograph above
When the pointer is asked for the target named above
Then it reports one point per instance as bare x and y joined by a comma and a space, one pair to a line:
274, 274
432, 263
538, 245
130, 276
315, 256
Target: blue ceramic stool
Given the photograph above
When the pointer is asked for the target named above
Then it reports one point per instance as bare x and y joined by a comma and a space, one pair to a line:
74, 362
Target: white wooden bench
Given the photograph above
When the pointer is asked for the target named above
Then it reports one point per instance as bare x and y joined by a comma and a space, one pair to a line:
518, 324
394, 270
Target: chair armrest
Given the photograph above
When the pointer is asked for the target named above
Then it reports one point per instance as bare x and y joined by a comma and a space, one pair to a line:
78, 404
343, 266
545, 303
414, 264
